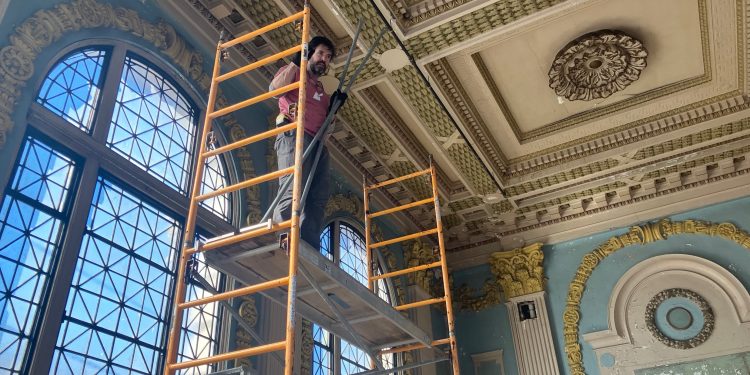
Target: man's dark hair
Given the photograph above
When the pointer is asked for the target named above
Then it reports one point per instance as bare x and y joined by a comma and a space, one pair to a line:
320, 40
314, 43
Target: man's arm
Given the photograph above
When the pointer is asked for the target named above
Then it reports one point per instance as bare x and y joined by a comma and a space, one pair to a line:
284, 76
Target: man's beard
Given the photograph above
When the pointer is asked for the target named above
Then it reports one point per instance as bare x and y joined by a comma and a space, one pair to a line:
318, 69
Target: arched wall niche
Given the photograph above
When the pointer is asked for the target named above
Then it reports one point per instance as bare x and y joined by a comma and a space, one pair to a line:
633, 341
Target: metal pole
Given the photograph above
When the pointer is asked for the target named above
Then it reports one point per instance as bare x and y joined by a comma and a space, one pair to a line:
294, 236
444, 269
364, 61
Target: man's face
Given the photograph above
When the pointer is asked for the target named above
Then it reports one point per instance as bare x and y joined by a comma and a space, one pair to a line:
320, 59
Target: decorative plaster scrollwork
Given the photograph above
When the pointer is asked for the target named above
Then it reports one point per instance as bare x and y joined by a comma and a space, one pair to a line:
249, 313
519, 272
705, 309
469, 300
344, 202
639, 235
418, 253
596, 65
306, 358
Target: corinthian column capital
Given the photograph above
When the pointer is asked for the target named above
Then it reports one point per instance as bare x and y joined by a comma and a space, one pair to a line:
519, 271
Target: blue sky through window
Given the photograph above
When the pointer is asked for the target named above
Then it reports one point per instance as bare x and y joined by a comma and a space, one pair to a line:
118, 304
31, 224
153, 125
352, 259
72, 87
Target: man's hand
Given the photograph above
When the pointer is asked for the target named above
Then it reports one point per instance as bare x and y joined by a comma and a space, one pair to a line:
337, 96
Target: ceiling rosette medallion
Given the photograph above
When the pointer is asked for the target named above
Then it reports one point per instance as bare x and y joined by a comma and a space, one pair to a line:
596, 65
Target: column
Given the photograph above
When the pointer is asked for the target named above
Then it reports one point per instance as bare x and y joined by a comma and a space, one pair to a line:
521, 276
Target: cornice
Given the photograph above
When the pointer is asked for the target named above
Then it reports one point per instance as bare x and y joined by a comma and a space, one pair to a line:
582, 212
635, 131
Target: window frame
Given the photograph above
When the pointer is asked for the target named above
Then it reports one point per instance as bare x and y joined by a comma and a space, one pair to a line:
334, 226
96, 159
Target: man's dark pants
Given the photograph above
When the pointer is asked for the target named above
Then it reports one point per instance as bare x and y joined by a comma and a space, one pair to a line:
312, 214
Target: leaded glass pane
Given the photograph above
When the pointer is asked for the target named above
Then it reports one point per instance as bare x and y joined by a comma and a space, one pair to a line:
322, 351
200, 324
325, 243
353, 258
153, 124
30, 235
353, 360
117, 308
71, 89
215, 178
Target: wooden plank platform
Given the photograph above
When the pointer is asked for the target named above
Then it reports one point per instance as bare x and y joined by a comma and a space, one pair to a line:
375, 321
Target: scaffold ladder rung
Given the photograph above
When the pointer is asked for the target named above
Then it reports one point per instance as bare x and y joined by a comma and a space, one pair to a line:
247, 183
226, 240
397, 179
250, 140
403, 238
421, 303
236, 293
401, 208
249, 36
262, 62
258, 350
406, 348
408, 270
257, 99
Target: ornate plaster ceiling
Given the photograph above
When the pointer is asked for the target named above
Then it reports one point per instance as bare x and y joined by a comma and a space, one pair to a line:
516, 160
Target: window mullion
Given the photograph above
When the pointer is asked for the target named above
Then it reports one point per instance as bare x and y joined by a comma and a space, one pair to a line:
335, 241
110, 87
336, 355
63, 275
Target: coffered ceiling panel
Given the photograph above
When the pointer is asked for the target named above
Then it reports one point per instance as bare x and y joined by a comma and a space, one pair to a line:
547, 119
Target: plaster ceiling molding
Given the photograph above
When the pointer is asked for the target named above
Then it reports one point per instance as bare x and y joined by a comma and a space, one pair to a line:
640, 133
717, 303
399, 131
596, 65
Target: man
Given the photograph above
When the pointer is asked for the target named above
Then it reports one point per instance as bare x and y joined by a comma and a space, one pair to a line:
320, 53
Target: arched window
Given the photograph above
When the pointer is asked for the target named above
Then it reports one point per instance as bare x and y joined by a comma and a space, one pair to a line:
344, 245
92, 218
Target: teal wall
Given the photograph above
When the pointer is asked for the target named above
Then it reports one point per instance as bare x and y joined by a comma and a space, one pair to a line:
489, 330
482, 331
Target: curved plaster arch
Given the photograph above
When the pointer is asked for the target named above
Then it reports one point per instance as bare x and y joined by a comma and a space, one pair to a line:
637, 235
717, 274
706, 275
